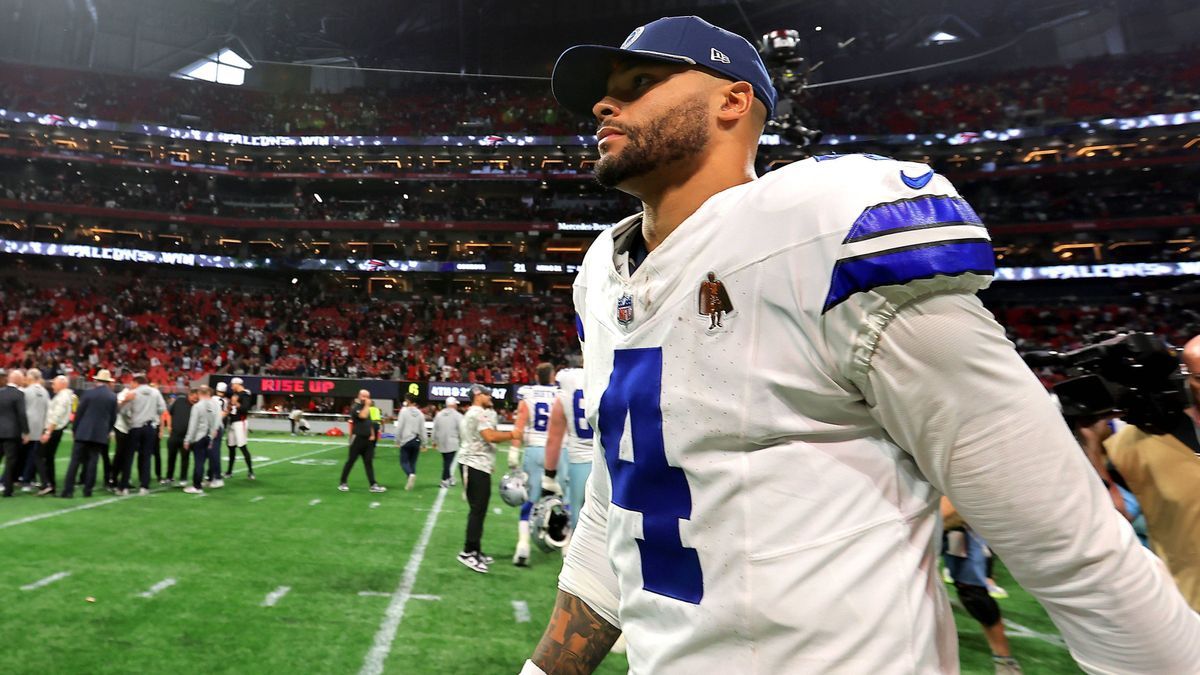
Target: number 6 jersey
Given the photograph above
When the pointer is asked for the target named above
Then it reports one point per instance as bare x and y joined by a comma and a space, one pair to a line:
757, 518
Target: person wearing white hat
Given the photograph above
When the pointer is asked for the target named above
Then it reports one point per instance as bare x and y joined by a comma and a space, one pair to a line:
94, 420
241, 400
445, 437
221, 401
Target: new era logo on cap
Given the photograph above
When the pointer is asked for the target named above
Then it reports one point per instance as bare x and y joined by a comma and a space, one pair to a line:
716, 55
637, 33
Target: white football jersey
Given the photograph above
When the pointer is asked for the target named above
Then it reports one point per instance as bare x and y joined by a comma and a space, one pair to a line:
539, 398
759, 520
579, 432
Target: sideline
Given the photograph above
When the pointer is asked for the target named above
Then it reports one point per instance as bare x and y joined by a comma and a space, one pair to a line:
110, 500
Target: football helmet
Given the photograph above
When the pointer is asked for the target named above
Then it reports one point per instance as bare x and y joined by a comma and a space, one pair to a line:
550, 523
514, 487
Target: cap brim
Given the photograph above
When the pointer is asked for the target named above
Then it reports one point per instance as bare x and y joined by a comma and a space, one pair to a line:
581, 74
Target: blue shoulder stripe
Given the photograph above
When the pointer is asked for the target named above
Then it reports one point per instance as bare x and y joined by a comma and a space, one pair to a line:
902, 265
912, 214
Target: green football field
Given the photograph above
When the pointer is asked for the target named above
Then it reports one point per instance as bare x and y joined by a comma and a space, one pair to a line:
287, 574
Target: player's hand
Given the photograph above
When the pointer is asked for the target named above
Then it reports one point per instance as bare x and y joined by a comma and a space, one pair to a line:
514, 458
550, 485
46, 437
187, 446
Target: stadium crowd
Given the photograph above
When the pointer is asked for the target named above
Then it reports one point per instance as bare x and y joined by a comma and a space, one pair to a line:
177, 333
181, 193
1107, 87
1126, 194
1073, 322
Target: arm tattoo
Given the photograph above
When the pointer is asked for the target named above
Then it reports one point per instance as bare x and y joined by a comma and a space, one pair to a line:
577, 639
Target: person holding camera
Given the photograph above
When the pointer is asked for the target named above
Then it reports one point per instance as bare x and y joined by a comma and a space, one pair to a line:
362, 435
1163, 471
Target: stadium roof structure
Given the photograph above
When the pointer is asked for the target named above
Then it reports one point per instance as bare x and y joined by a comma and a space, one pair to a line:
524, 37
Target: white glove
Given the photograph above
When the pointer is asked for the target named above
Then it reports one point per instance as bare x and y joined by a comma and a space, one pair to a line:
550, 485
514, 458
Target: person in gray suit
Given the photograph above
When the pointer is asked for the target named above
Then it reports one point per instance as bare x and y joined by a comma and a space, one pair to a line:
94, 419
37, 403
14, 428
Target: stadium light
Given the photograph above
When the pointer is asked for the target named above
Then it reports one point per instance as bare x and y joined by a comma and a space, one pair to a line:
941, 37
223, 66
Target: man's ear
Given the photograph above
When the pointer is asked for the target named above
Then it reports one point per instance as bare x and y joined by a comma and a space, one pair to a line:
736, 101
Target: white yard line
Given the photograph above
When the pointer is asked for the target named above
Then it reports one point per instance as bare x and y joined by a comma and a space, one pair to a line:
375, 505
373, 594
430, 598
520, 611
257, 499
373, 663
45, 582
314, 502
275, 596
111, 500
158, 588
1015, 629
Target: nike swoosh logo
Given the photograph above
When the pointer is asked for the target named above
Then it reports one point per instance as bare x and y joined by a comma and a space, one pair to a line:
918, 182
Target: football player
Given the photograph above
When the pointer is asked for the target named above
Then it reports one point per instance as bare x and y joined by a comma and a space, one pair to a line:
533, 419
568, 422
241, 401
798, 533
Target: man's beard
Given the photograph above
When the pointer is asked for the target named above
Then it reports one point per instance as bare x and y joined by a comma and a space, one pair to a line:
680, 133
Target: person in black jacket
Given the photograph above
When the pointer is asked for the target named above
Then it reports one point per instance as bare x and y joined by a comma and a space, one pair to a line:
177, 423
14, 429
94, 419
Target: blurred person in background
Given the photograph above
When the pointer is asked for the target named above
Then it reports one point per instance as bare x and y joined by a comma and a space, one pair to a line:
146, 408
58, 416
14, 428
376, 417
220, 400
295, 416
1163, 471
122, 459
966, 557
37, 403
569, 425
94, 420
445, 437
533, 421
178, 415
362, 433
241, 402
477, 455
16, 379
410, 432
204, 419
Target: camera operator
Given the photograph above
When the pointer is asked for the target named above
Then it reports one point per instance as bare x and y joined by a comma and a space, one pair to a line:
1091, 434
1163, 471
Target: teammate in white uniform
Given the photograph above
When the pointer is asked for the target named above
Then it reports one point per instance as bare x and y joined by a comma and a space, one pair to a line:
568, 421
533, 420
799, 535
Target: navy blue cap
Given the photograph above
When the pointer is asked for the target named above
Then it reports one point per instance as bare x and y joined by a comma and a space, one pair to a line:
581, 75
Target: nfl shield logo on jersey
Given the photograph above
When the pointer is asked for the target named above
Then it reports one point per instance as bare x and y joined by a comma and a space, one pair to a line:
625, 309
